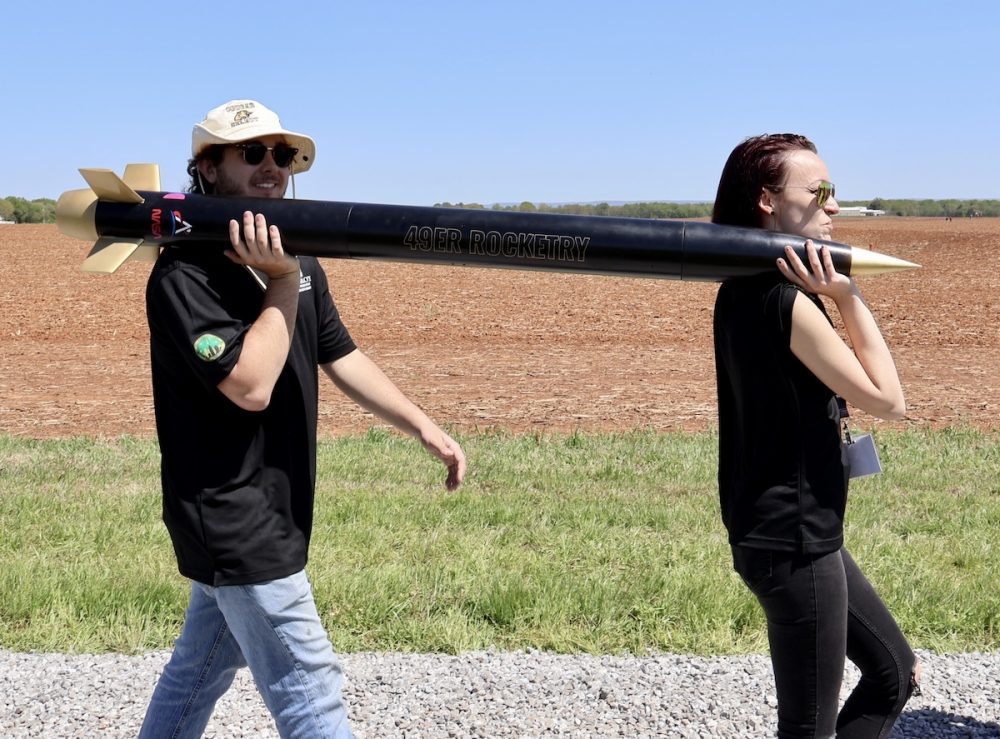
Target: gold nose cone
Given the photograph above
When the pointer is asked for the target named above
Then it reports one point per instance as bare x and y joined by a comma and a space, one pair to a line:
867, 262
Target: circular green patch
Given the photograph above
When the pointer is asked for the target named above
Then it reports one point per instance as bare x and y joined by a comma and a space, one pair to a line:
209, 347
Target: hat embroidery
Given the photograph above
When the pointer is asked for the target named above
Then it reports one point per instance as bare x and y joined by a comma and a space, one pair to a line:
209, 347
242, 117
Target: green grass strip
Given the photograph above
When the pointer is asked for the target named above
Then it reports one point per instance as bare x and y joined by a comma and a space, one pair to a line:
596, 543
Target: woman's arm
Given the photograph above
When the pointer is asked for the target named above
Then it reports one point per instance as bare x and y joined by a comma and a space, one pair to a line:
865, 377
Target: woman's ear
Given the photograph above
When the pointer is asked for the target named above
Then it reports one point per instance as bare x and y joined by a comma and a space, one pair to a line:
765, 203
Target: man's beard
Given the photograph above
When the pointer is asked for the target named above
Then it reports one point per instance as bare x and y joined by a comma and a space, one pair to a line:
224, 185
227, 186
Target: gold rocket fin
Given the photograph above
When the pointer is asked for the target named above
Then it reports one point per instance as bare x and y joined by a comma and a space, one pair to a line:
109, 254
142, 177
866, 262
109, 186
146, 253
76, 209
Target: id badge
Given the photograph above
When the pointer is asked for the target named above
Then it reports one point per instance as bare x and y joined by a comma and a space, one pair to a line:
862, 456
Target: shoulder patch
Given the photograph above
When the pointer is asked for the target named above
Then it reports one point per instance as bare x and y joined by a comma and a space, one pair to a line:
209, 347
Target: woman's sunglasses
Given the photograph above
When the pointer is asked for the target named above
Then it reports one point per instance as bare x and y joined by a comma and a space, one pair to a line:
823, 191
253, 153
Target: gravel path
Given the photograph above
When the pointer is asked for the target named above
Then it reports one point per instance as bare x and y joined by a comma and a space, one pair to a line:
488, 694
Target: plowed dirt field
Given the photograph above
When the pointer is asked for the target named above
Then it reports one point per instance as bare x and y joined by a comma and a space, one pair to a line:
488, 348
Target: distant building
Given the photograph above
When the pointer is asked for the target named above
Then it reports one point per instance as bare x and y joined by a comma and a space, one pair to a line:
859, 210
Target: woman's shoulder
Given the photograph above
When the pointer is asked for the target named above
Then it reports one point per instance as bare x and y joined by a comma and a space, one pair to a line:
755, 287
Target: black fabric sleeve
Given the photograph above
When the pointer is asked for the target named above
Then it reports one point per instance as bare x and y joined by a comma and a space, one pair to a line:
334, 340
188, 314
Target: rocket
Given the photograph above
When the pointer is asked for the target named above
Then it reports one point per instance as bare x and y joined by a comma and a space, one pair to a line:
129, 217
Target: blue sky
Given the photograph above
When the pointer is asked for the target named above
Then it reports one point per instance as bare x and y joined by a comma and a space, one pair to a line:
427, 101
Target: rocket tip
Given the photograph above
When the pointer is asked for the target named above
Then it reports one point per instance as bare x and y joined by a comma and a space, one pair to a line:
866, 262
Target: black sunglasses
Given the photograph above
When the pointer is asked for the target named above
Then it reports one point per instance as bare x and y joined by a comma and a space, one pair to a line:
253, 153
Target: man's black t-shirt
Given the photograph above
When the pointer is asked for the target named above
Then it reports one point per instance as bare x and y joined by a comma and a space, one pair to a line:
782, 471
237, 485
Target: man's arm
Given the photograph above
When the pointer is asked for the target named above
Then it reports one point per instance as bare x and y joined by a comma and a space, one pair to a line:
360, 379
266, 344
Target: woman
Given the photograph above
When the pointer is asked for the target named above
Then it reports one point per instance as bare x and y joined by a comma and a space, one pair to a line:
782, 370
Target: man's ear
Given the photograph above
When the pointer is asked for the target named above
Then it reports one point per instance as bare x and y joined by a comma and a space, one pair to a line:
208, 170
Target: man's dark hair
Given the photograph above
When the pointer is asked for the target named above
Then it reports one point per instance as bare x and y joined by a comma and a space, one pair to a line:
755, 164
198, 185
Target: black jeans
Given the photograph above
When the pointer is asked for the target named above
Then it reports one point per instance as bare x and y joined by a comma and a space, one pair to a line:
821, 608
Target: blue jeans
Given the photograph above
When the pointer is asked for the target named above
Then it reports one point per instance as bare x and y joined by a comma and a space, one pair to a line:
272, 627
821, 609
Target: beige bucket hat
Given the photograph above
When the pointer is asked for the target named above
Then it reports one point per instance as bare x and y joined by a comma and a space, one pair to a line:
244, 120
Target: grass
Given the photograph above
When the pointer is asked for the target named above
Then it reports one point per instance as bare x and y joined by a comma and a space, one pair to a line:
605, 544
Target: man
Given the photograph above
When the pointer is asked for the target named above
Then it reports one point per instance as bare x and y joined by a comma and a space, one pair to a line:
236, 339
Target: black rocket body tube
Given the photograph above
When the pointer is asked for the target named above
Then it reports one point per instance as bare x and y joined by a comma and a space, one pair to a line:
641, 247
686, 250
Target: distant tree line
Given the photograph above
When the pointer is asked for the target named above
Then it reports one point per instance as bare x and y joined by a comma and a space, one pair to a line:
940, 208
19, 210
928, 208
